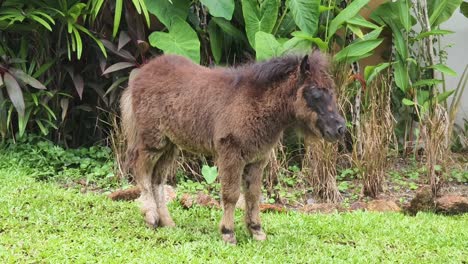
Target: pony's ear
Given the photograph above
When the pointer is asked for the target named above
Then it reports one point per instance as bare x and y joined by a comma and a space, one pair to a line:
305, 67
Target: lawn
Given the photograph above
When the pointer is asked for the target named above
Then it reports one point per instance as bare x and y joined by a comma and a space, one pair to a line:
42, 222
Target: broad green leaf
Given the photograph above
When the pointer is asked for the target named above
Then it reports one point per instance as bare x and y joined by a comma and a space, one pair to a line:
297, 45
14, 92
362, 22
356, 30
427, 82
404, 14
433, 32
441, 10
357, 49
259, 19
422, 96
216, 41
351, 59
220, 8
464, 9
400, 42
181, 39
390, 12
444, 69
374, 34
370, 72
407, 102
231, 30
401, 75
166, 10
386, 12
323, 46
209, 173
287, 25
349, 12
306, 14
266, 46
443, 96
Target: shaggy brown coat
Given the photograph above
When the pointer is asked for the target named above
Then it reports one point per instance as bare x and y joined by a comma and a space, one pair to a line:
235, 115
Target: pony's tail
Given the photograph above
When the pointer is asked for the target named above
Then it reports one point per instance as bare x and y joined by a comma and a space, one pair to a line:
129, 128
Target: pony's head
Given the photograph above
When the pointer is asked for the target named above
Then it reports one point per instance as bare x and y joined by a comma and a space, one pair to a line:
315, 106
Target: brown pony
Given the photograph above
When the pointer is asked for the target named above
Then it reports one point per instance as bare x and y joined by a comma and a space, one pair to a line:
235, 115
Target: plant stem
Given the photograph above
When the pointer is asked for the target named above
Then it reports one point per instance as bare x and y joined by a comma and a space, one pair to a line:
278, 24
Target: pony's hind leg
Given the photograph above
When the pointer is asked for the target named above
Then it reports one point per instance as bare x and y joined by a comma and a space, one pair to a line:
162, 168
144, 167
252, 183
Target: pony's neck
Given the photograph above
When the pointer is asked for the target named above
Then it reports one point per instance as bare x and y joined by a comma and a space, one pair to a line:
278, 105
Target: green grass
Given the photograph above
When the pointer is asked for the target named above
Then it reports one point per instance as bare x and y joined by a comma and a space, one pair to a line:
41, 222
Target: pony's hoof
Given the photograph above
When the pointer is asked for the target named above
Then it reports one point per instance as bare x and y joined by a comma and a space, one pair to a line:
230, 239
167, 223
152, 221
153, 225
259, 236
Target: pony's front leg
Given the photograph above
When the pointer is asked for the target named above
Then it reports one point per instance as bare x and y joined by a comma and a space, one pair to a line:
230, 171
252, 180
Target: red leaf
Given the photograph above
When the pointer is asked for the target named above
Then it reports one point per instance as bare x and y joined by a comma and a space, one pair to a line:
121, 53
64, 105
14, 92
123, 39
77, 81
19, 74
79, 84
118, 66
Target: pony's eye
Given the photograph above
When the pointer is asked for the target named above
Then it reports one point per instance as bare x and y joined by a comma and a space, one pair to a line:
315, 93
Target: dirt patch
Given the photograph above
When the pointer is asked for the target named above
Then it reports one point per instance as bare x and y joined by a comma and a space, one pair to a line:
324, 208
452, 204
383, 206
188, 200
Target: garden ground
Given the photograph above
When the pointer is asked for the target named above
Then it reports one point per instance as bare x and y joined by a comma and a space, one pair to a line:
42, 222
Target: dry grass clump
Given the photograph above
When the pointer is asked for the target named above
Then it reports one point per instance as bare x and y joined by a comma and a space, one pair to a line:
319, 168
376, 133
321, 158
436, 146
117, 142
